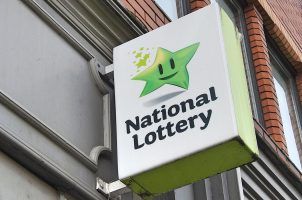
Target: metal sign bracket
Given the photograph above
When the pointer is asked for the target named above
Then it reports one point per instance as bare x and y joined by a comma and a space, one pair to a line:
115, 189
111, 190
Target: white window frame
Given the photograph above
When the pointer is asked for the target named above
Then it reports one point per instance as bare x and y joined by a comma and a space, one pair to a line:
283, 72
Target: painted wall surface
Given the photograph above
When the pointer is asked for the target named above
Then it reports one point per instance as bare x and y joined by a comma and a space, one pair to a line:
49, 104
19, 184
46, 76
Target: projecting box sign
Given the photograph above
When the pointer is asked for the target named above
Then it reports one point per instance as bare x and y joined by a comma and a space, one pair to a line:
182, 104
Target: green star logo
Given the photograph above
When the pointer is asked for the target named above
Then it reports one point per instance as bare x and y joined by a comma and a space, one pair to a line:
167, 68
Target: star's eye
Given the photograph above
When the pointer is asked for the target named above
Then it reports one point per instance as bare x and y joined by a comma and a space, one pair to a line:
160, 69
172, 63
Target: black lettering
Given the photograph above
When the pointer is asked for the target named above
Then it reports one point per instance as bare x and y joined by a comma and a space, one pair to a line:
174, 107
164, 112
155, 116
184, 103
213, 94
169, 129
181, 126
202, 99
150, 138
146, 121
135, 125
135, 141
205, 119
160, 133
191, 121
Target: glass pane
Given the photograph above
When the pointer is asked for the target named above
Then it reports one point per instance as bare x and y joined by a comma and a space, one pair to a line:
169, 6
287, 123
185, 192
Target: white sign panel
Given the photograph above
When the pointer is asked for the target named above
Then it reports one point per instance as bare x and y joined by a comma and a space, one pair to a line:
173, 96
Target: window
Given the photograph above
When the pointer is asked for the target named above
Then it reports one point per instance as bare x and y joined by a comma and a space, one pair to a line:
169, 7
173, 8
288, 105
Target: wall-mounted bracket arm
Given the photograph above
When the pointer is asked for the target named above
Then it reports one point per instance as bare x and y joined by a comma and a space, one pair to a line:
97, 71
115, 189
101, 68
112, 190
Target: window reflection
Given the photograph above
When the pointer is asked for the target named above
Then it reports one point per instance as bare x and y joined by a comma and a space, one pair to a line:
169, 7
288, 119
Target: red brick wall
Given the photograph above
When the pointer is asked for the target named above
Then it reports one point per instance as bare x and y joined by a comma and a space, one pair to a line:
147, 12
290, 13
279, 37
261, 61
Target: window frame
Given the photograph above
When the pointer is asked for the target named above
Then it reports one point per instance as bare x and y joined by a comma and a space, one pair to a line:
284, 69
183, 7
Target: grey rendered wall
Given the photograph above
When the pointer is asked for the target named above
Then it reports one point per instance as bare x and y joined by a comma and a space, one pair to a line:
48, 78
16, 183
49, 105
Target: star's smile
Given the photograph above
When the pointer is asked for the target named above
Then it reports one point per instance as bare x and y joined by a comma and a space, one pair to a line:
168, 77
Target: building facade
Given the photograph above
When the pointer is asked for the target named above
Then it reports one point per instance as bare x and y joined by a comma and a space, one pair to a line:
57, 123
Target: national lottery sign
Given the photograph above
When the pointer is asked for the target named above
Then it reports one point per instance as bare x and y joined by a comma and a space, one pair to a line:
182, 103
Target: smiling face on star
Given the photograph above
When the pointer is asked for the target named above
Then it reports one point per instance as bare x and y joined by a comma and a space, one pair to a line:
167, 68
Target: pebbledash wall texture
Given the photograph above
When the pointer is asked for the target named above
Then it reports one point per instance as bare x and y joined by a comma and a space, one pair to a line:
279, 19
